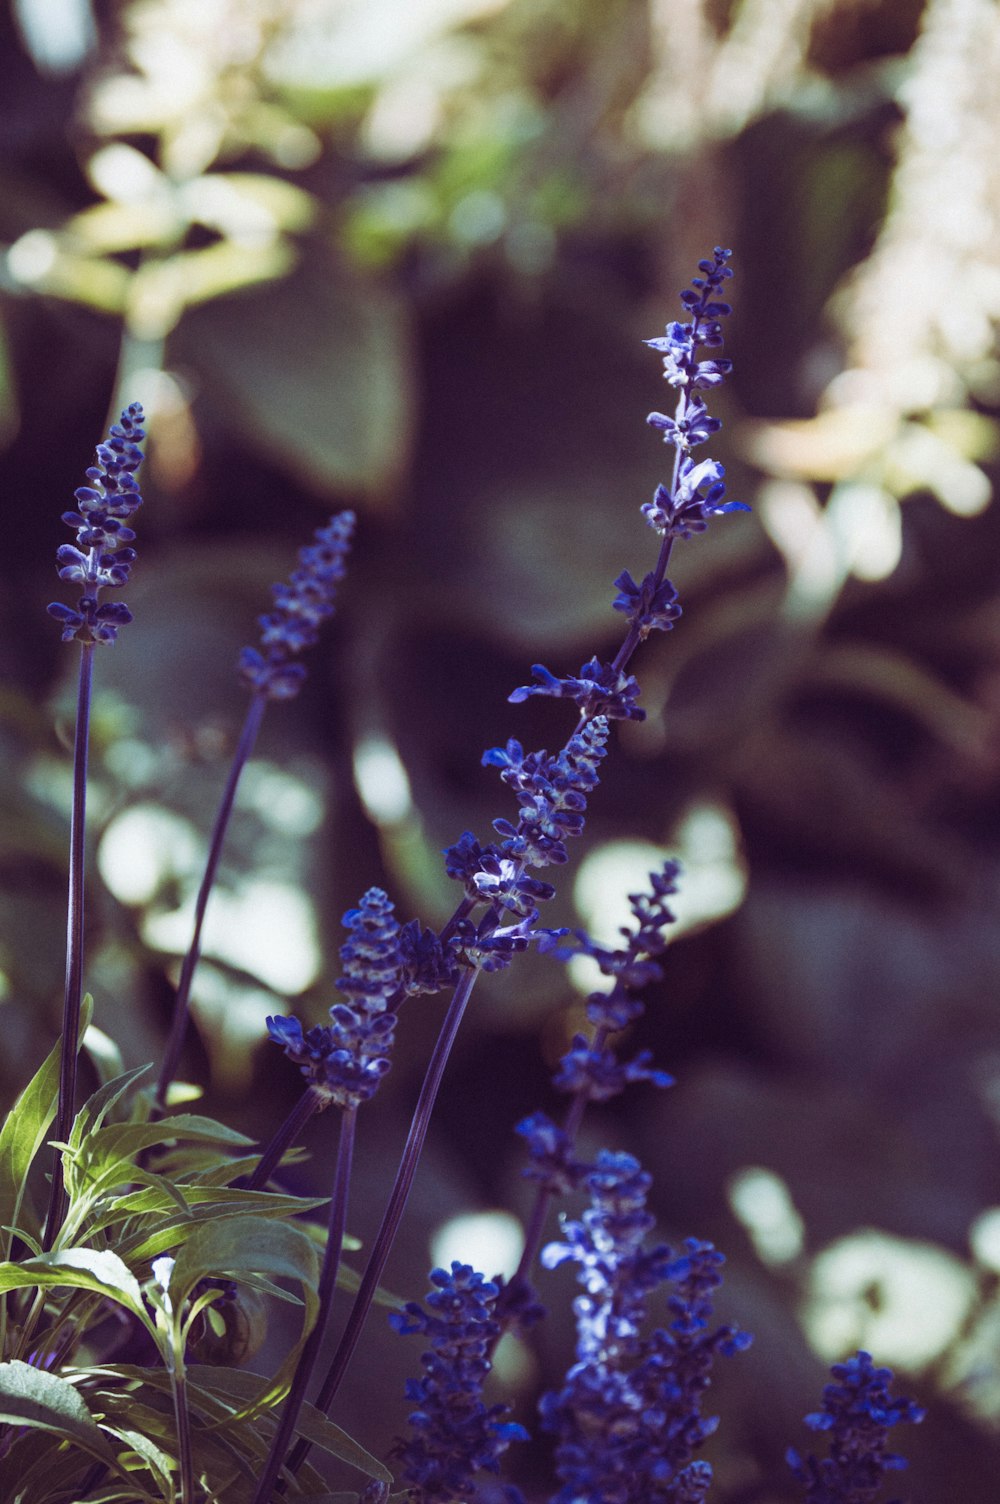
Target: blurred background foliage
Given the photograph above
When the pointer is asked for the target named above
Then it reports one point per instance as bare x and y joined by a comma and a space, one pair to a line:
400, 256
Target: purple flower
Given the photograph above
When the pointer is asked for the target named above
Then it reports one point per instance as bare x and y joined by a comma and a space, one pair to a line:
628, 1419
103, 556
453, 1434
600, 689
697, 492
552, 794
595, 1072
858, 1411
300, 607
631, 965
651, 607
345, 1060
488, 946
550, 1152
426, 965
490, 876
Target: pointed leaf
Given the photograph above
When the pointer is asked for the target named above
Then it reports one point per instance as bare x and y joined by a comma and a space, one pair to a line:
30, 1397
94, 1111
21, 1137
23, 1134
243, 1390
253, 1246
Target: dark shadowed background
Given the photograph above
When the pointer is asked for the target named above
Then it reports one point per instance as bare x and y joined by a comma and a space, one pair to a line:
401, 256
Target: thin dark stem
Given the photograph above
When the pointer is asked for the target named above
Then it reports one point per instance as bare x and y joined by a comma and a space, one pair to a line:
178, 1028
289, 1131
396, 1204
73, 994
327, 1285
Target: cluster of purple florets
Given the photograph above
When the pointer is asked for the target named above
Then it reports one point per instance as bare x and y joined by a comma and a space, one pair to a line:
697, 491
345, 1060
453, 1433
628, 1419
858, 1413
103, 554
300, 607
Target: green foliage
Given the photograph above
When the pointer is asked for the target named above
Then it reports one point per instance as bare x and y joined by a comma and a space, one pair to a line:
121, 1218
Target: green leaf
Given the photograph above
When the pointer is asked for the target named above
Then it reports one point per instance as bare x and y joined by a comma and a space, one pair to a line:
159, 1463
223, 1397
245, 1244
21, 1137
242, 1390
315, 373
252, 1246
98, 1270
157, 1198
23, 1134
94, 1111
30, 1397
105, 1158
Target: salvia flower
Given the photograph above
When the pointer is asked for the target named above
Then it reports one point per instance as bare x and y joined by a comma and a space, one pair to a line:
628, 1419
345, 1060
631, 965
489, 876
651, 606
488, 946
103, 555
453, 1433
595, 1073
599, 689
300, 607
858, 1412
550, 1155
551, 792
427, 966
697, 492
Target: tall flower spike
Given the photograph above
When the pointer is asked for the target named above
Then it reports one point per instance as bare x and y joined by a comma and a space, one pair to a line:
453, 1433
346, 1059
858, 1411
103, 556
300, 607
628, 1419
697, 491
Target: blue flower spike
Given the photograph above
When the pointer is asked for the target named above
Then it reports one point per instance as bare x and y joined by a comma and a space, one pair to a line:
345, 1060
453, 1433
103, 555
628, 1420
697, 492
300, 607
858, 1412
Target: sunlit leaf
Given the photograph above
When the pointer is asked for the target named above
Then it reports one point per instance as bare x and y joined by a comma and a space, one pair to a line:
95, 1110
109, 227
98, 1270
247, 204
22, 1135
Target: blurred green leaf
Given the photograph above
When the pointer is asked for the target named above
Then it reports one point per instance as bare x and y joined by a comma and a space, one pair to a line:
315, 373
239, 1392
